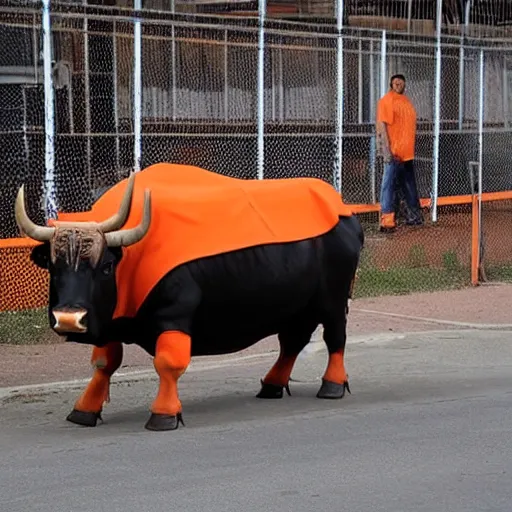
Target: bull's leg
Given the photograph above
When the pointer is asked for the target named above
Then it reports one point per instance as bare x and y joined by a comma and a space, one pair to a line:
105, 360
335, 378
172, 357
291, 343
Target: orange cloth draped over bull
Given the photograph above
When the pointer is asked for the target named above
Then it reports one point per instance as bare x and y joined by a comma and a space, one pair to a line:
198, 213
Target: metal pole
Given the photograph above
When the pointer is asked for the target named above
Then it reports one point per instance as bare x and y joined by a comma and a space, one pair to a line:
116, 97
383, 56
87, 99
467, 11
462, 66
409, 16
261, 87
226, 76
383, 88
372, 118
360, 82
480, 141
506, 92
50, 203
173, 64
280, 84
137, 90
338, 162
274, 84
461, 83
437, 110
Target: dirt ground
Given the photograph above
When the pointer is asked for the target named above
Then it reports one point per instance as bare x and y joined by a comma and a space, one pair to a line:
449, 236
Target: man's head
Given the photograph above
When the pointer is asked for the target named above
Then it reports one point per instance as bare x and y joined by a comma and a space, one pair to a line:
82, 258
397, 83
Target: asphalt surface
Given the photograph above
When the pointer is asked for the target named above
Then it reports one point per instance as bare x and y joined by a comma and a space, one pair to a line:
427, 428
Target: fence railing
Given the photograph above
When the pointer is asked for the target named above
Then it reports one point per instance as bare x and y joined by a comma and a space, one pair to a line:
90, 93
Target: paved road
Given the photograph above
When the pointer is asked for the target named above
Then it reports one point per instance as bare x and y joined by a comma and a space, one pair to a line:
427, 428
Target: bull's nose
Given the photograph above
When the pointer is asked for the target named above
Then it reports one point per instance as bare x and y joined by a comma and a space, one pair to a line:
70, 320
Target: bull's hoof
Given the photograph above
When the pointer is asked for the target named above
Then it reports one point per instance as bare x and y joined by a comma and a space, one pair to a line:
86, 419
332, 390
272, 391
163, 422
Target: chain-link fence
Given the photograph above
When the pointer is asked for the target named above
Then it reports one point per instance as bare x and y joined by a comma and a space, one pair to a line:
496, 176
282, 99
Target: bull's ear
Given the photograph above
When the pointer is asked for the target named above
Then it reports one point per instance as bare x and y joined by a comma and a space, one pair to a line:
40, 255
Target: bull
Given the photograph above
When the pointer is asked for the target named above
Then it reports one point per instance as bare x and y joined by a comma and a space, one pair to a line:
194, 263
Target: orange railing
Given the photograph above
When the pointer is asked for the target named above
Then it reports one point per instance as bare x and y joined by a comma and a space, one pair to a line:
24, 286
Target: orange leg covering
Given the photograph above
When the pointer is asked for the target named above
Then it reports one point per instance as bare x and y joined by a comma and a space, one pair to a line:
335, 371
387, 220
279, 374
172, 357
106, 360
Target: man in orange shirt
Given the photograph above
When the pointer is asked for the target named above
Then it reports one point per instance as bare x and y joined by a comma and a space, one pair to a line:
396, 136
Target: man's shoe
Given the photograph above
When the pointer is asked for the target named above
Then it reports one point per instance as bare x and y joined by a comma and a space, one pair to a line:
386, 229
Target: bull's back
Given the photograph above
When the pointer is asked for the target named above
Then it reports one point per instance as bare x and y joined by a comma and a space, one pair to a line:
246, 295
251, 294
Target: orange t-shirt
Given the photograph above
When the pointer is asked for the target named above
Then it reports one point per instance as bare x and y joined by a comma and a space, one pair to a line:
397, 111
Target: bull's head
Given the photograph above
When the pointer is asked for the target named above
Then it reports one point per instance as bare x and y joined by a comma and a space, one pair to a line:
82, 258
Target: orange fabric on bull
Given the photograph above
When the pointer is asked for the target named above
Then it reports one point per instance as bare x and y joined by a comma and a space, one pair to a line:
198, 213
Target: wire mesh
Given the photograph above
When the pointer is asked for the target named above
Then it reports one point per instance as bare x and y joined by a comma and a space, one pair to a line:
199, 106
94, 141
496, 215
300, 92
200, 97
21, 111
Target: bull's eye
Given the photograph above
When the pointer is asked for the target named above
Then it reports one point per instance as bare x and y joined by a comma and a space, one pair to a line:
107, 268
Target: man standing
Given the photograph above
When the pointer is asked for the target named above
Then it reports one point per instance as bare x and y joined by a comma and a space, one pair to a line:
396, 138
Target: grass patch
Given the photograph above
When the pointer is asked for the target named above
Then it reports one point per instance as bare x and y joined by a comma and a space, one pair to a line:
373, 282
413, 276
417, 257
499, 273
26, 328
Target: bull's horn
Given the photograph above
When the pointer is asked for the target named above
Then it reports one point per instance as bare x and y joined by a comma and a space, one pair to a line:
39, 233
118, 219
132, 236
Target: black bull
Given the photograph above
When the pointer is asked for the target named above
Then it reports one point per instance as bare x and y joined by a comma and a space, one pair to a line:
215, 305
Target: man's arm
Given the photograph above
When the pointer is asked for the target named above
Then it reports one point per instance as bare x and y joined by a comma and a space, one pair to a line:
384, 117
383, 141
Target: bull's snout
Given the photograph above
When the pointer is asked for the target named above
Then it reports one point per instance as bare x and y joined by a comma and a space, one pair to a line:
70, 320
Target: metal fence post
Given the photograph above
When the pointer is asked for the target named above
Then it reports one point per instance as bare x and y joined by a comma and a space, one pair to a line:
437, 111
462, 67
173, 63
262, 8
137, 88
383, 57
481, 92
338, 160
373, 140
383, 86
87, 96
50, 203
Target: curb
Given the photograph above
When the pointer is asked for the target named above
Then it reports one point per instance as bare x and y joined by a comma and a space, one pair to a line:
316, 345
130, 376
466, 325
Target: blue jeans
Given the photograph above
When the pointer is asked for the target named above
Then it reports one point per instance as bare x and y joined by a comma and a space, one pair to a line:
399, 177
